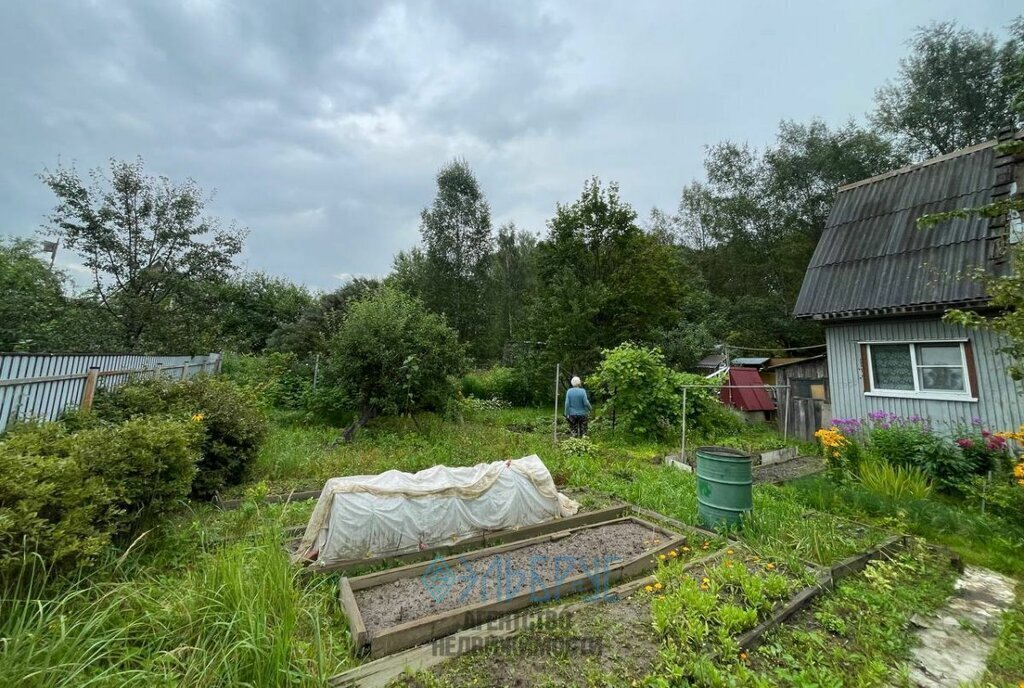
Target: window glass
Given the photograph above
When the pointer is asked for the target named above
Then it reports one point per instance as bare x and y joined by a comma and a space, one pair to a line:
939, 354
942, 379
892, 366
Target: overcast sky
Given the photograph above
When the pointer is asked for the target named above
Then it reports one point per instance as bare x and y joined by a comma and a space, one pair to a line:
321, 125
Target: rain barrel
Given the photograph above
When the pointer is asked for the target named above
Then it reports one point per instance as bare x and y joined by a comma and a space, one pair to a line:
724, 486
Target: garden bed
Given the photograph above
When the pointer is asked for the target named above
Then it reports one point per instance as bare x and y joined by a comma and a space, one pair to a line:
612, 642
400, 608
790, 469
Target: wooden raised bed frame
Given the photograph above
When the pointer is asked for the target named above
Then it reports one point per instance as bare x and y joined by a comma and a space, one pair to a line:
485, 539
445, 623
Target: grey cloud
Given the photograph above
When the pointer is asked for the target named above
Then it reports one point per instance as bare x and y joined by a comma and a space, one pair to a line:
321, 124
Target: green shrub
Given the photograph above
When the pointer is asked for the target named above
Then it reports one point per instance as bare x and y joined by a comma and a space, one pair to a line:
392, 355
49, 504
507, 384
913, 444
233, 422
277, 380
64, 495
1003, 496
148, 463
896, 482
647, 396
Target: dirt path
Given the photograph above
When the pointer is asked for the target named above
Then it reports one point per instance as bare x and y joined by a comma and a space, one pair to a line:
956, 641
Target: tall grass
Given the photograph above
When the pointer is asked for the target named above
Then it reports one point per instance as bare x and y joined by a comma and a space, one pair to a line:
901, 483
239, 617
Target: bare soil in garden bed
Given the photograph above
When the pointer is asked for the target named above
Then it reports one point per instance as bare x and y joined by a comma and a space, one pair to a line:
788, 470
535, 566
609, 643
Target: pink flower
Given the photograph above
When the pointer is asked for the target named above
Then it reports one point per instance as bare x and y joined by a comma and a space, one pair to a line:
965, 442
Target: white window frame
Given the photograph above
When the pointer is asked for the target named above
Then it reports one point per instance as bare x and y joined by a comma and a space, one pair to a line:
918, 393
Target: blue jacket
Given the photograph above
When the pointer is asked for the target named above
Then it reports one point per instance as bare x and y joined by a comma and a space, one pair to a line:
576, 402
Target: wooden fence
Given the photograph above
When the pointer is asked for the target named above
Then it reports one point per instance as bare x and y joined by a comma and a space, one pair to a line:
43, 386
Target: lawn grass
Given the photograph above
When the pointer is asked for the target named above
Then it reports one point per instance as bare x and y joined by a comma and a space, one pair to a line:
211, 598
981, 539
1006, 663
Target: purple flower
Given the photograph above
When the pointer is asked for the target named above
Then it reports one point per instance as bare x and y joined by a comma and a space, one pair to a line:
877, 415
976, 421
915, 418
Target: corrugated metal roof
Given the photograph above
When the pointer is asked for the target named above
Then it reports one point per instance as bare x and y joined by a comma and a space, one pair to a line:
744, 396
750, 361
873, 259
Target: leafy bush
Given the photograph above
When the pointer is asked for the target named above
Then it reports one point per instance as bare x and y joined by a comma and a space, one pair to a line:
508, 384
65, 494
896, 482
912, 443
647, 396
986, 451
392, 355
148, 464
278, 380
234, 426
1003, 494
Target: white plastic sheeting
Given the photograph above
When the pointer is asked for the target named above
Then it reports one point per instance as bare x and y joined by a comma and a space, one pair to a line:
394, 513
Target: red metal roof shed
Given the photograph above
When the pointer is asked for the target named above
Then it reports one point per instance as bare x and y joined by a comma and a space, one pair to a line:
744, 396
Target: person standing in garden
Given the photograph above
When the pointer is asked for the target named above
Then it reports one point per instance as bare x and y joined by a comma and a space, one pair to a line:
577, 408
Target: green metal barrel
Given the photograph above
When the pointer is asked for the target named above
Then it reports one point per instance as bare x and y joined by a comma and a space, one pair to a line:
724, 486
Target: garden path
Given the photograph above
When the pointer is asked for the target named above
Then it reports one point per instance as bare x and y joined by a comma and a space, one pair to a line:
955, 642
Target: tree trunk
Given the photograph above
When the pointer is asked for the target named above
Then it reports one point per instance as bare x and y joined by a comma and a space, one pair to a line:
363, 419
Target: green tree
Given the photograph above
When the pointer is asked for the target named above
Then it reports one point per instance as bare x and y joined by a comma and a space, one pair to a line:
32, 304
1006, 292
950, 92
752, 226
391, 355
254, 306
457, 243
603, 279
513, 284
311, 331
145, 239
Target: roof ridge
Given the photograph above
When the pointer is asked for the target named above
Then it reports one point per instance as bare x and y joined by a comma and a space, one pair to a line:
913, 167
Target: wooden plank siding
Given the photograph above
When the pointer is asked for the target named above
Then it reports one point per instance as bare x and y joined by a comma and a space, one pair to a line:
999, 402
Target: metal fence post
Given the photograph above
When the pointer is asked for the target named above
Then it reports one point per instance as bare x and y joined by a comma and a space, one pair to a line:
558, 371
682, 441
89, 391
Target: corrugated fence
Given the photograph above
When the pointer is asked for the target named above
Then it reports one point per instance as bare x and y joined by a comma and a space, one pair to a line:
43, 386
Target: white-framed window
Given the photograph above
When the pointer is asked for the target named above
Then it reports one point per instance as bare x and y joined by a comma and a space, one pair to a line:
925, 369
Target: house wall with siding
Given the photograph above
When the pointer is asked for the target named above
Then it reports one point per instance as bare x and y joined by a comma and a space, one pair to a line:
1000, 402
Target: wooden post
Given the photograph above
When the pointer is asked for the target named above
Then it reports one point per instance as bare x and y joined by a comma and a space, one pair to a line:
158, 371
89, 391
220, 360
558, 371
785, 420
